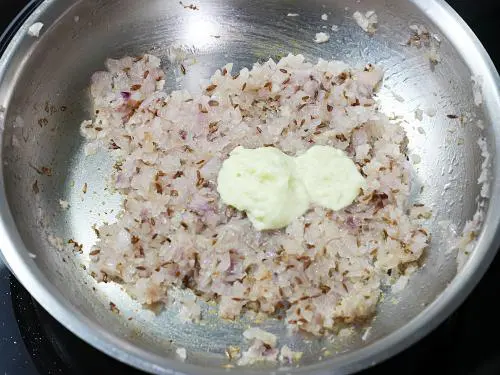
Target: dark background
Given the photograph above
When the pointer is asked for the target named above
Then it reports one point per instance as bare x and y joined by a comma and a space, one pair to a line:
31, 342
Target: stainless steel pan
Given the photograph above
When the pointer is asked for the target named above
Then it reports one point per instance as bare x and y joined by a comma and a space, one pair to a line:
44, 91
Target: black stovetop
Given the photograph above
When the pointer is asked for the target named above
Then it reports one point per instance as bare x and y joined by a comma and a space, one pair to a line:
32, 342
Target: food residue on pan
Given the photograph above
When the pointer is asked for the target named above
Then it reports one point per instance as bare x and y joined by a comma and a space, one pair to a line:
2, 117
113, 308
232, 352
422, 37
367, 21
64, 204
477, 82
45, 171
288, 356
18, 122
35, 187
34, 30
190, 6
15, 141
367, 333
431, 112
419, 114
181, 353
321, 37
263, 347
56, 241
